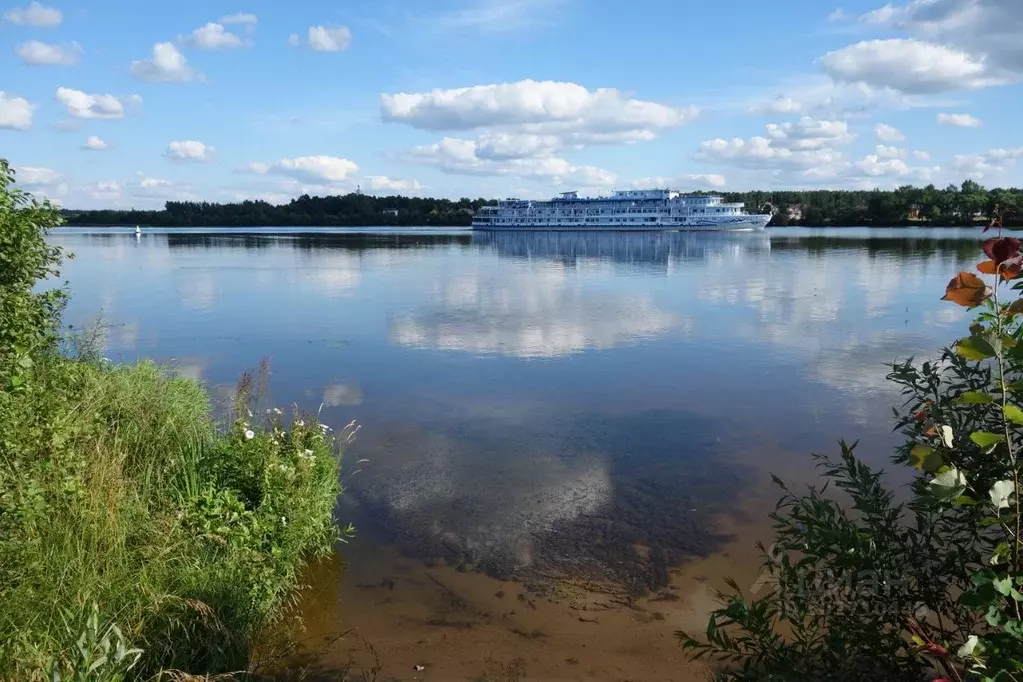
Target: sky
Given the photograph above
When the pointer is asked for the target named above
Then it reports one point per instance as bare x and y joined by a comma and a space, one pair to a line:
110, 103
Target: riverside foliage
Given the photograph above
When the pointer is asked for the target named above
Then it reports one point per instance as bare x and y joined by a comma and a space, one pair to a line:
135, 535
861, 587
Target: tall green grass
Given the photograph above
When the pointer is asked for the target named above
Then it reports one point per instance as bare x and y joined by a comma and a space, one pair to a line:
118, 491
138, 537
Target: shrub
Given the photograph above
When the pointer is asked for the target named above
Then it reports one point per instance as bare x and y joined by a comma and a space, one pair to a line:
135, 535
863, 587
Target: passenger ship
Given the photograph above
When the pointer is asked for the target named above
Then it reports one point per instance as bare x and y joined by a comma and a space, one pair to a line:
647, 209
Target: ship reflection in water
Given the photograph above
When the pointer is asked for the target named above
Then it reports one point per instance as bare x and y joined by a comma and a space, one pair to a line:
635, 249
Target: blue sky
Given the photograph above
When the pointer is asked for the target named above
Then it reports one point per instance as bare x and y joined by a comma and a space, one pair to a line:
110, 103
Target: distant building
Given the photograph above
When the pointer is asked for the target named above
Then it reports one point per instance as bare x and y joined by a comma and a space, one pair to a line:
390, 211
795, 212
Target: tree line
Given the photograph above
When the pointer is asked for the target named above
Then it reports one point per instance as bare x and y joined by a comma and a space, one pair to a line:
354, 209
967, 204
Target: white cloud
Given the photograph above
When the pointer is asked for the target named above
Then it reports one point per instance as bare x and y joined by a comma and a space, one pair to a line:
991, 163
779, 105
213, 36
531, 106
889, 152
15, 112
35, 14
42, 54
461, 157
104, 190
83, 105
809, 133
959, 120
167, 65
839, 15
189, 150
760, 153
34, 176
970, 43
887, 133
95, 143
908, 65
921, 155
239, 18
325, 38
382, 183
312, 168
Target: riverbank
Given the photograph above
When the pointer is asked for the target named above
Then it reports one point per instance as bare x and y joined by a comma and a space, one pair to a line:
138, 535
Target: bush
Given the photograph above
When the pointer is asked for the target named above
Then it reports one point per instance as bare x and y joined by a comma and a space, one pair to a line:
869, 589
135, 535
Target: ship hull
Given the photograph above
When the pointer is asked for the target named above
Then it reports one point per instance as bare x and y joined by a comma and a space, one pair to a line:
747, 223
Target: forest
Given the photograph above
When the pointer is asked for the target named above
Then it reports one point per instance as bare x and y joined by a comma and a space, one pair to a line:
967, 204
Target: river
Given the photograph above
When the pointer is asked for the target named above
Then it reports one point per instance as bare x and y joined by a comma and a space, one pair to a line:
566, 438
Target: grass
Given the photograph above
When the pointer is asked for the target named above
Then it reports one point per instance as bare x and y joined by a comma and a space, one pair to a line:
122, 503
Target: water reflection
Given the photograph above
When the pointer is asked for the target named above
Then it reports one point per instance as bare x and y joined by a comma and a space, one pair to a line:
544, 403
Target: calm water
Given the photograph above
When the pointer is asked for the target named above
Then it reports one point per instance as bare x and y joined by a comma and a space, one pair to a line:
544, 403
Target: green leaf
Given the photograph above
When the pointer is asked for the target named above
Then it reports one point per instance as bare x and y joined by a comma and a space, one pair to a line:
1000, 493
925, 458
975, 398
986, 440
1003, 585
949, 484
1013, 414
975, 348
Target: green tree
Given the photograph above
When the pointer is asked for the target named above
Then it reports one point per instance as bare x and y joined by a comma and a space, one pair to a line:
29, 319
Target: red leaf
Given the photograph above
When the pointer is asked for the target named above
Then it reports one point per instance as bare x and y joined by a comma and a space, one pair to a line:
988, 267
1001, 249
967, 290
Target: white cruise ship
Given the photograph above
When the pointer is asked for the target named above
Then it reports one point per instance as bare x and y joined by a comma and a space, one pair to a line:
646, 209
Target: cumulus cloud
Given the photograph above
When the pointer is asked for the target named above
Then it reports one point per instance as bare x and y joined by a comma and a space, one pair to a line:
213, 36
104, 190
189, 150
15, 112
382, 183
308, 168
544, 106
35, 14
167, 65
991, 163
41, 180
83, 105
921, 155
457, 156
43, 54
239, 18
779, 105
809, 133
887, 133
959, 120
324, 38
889, 152
95, 143
908, 65
952, 44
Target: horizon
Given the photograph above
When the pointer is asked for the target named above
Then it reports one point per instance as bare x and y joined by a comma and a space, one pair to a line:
106, 108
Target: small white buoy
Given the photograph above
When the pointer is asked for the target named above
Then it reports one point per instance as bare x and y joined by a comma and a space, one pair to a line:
138, 230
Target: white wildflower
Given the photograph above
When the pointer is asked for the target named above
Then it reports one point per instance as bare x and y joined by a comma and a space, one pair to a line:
277, 410
249, 434
299, 423
284, 521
